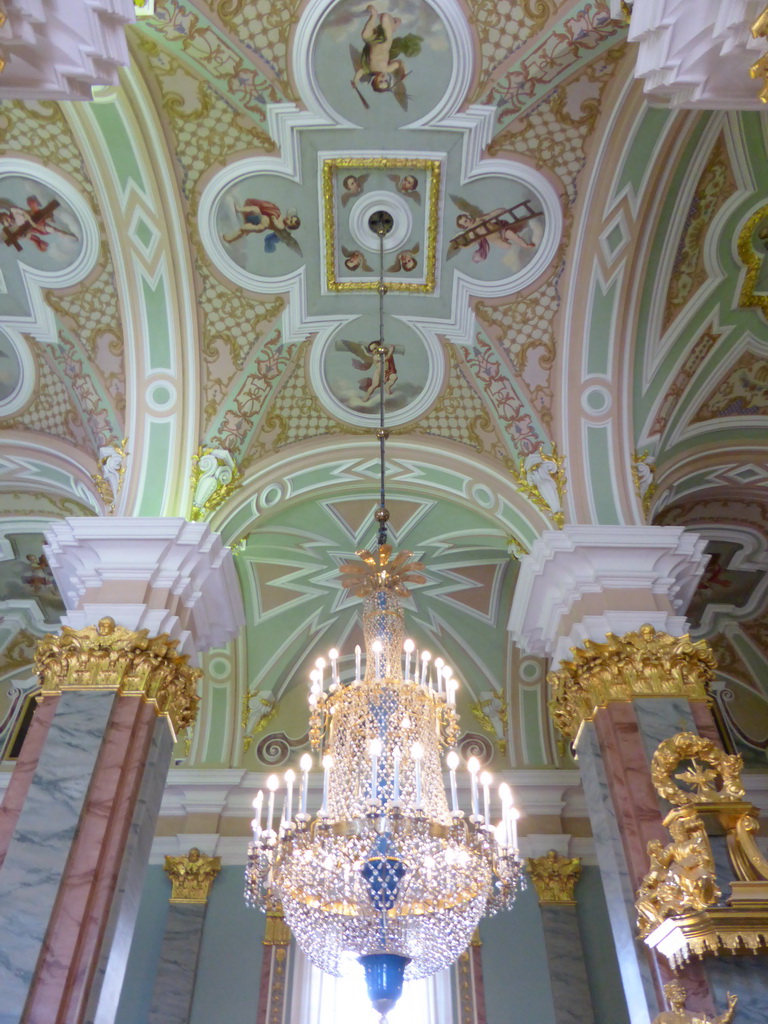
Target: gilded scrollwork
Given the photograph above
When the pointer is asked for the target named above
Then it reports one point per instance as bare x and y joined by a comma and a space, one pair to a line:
110, 657
554, 877
643, 472
214, 478
640, 664
111, 471
258, 711
541, 478
760, 68
192, 876
751, 247
492, 712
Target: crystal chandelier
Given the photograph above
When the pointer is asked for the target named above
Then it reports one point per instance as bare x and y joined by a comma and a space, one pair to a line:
385, 873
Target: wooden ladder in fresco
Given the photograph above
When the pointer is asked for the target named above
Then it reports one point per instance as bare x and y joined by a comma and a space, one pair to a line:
520, 214
11, 236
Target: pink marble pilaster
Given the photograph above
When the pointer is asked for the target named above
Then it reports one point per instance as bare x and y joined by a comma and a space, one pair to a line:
262, 1016
477, 981
61, 986
629, 781
24, 772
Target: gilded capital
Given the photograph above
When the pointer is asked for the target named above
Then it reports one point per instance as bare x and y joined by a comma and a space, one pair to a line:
645, 663
110, 657
554, 878
192, 876
277, 932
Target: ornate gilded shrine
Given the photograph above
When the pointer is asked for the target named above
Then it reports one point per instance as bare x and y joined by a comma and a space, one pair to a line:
684, 905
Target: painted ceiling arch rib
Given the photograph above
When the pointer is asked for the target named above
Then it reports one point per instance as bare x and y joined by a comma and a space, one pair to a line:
575, 275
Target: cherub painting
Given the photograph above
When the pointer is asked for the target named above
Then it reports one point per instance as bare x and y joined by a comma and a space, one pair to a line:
405, 260
501, 227
353, 186
260, 216
368, 361
355, 260
408, 185
30, 224
379, 64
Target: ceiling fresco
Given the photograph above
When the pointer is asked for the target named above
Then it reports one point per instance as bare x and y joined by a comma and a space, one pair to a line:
575, 323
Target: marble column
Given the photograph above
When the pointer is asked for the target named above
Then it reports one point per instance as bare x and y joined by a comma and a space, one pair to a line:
79, 813
554, 878
615, 597
191, 879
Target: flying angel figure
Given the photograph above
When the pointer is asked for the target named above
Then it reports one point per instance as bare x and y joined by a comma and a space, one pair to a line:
408, 185
260, 216
354, 260
366, 360
378, 64
500, 227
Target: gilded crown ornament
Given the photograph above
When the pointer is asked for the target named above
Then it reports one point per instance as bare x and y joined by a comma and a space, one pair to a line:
386, 874
111, 657
645, 663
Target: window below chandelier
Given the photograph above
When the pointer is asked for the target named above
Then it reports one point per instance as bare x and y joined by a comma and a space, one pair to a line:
320, 998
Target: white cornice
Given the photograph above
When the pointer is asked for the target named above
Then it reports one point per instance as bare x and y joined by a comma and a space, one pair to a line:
565, 565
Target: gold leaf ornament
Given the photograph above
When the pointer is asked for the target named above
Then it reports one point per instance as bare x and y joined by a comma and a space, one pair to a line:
378, 573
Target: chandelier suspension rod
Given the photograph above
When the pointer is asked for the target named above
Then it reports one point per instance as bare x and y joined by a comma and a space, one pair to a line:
382, 514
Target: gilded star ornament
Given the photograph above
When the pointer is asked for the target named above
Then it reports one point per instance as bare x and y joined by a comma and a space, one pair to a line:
699, 777
378, 572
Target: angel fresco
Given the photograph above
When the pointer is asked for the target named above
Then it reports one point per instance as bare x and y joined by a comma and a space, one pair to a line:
368, 361
30, 224
353, 186
378, 64
260, 216
405, 260
408, 185
354, 260
501, 227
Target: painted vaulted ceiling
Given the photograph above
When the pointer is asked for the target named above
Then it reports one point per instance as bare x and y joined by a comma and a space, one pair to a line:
577, 282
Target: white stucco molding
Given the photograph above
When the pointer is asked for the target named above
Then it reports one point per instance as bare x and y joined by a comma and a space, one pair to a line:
636, 574
60, 49
163, 575
696, 53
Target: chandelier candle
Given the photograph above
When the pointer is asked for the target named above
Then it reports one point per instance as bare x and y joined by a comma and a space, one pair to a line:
474, 767
305, 764
486, 780
453, 763
272, 783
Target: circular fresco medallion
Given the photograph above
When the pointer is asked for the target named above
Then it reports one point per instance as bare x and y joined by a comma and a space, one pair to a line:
382, 65
348, 378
